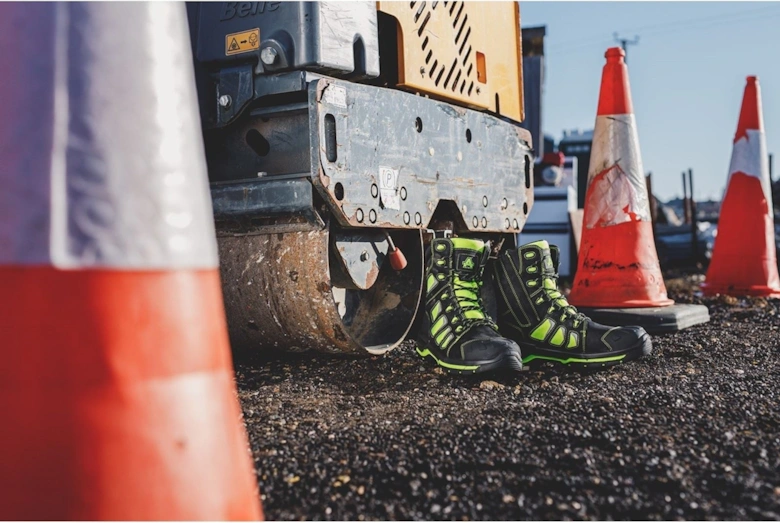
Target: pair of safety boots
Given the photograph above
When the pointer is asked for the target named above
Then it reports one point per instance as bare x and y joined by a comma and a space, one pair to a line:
535, 322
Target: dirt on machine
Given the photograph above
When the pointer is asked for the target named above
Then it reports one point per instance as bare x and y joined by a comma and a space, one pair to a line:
339, 135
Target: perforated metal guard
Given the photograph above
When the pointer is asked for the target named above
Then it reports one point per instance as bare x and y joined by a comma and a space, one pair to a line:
465, 52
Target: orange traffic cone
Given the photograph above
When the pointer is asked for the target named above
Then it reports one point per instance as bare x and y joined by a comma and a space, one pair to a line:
618, 263
744, 261
116, 386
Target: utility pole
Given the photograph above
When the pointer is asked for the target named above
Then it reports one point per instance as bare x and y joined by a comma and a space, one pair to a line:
686, 201
625, 42
771, 188
694, 221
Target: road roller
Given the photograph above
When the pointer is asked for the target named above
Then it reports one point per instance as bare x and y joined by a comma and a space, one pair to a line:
339, 138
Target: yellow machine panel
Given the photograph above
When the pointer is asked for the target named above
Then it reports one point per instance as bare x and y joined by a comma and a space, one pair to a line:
465, 52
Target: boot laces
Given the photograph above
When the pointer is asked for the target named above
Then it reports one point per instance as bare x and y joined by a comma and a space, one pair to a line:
559, 301
467, 295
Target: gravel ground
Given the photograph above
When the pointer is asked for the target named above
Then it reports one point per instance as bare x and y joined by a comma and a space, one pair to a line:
689, 433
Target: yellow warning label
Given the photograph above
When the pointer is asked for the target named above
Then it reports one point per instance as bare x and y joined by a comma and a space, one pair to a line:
242, 42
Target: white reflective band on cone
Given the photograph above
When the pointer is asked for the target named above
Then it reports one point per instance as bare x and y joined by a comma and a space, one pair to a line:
616, 182
101, 153
749, 157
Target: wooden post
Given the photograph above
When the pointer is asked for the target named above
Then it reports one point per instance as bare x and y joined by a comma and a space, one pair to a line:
653, 203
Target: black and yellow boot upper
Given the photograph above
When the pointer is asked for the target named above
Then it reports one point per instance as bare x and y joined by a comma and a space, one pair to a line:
535, 314
455, 331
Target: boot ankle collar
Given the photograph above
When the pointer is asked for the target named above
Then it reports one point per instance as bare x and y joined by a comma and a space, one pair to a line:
542, 255
464, 256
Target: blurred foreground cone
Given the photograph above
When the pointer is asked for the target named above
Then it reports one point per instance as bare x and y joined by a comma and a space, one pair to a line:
116, 387
744, 260
618, 264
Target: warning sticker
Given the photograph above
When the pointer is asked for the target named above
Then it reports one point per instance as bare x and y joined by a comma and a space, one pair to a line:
335, 95
243, 42
388, 188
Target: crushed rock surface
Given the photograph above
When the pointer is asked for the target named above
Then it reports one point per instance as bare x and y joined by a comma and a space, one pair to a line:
692, 432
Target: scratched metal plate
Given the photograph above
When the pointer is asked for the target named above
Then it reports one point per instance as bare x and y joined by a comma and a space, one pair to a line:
439, 152
342, 136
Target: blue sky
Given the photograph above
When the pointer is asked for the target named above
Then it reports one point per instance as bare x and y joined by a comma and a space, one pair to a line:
687, 77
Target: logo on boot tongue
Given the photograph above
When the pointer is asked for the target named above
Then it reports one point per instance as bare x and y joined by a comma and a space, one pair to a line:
468, 263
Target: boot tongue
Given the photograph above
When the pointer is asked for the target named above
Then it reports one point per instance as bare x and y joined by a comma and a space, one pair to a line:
549, 256
467, 258
555, 253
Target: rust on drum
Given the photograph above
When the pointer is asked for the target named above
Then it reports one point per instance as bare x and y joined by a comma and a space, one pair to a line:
279, 295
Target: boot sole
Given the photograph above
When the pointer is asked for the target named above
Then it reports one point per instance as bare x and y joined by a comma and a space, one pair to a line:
537, 356
510, 360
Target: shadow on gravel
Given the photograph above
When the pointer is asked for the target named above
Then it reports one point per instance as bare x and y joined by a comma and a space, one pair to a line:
690, 432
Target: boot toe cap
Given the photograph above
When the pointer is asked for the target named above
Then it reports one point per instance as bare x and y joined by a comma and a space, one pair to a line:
485, 349
625, 338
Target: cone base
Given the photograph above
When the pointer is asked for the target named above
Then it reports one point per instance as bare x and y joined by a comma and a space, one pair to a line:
655, 320
631, 304
118, 398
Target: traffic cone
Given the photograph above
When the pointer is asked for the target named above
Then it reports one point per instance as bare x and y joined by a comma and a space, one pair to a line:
618, 264
744, 261
116, 387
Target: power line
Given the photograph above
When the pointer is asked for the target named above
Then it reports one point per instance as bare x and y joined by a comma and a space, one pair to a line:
697, 20
713, 23
605, 42
670, 27
666, 25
